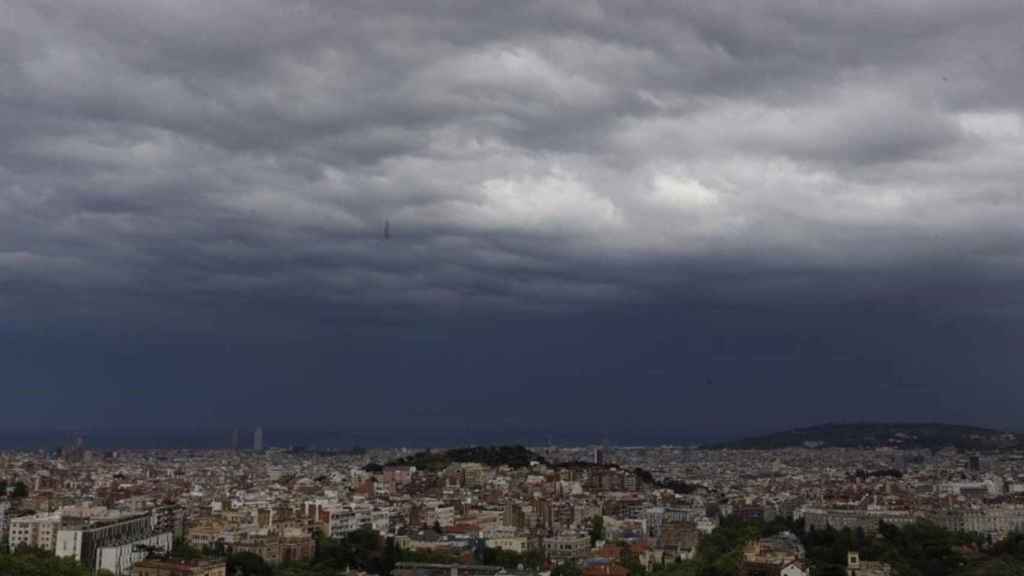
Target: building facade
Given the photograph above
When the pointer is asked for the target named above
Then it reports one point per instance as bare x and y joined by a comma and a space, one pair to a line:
277, 549
113, 544
118, 559
567, 547
866, 520
4, 507
166, 567
36, 531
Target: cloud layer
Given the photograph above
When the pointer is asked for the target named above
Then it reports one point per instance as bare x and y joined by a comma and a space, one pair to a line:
528, 155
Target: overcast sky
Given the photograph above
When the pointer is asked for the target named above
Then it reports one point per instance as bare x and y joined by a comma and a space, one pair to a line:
709, 217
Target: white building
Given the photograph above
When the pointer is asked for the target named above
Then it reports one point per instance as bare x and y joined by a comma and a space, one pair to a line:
112, 544
36, 531
990, 486
795, 568
567, 546
380, 520
867, 520
350, 517
434, 510
706, 525
995, 521
656, 516
120, 558
510, 543
442, 515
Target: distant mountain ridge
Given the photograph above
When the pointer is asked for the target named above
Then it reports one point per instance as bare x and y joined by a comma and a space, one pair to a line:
878, 434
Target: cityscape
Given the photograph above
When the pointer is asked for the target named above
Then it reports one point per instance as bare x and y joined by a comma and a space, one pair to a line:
511, 287
597, 510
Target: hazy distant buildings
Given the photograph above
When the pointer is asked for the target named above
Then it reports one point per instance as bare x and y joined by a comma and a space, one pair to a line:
75, 451
234, 439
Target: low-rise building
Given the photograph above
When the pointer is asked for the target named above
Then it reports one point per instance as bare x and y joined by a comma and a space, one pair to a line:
425, 569
510, 543
857, 567
119, 557
113, 543
996, 522
168, 567
277, 549
567, 547
866, 520
780, 555
603, 567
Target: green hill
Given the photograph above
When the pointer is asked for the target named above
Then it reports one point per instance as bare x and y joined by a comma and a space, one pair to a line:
513, 456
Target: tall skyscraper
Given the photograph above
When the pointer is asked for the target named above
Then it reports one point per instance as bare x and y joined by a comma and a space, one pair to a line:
234, 439
257, 439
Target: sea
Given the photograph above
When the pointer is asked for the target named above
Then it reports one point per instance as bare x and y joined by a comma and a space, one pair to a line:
328, 439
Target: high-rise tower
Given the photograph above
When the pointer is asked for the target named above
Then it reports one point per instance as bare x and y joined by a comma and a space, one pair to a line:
257, 439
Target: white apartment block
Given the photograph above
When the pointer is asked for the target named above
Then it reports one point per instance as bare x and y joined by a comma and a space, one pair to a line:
567, 546
36, 531
119, 559
444, 516
996, 521
510, 543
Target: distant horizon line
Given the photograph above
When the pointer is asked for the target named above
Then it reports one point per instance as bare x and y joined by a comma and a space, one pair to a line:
346, 438
533, 428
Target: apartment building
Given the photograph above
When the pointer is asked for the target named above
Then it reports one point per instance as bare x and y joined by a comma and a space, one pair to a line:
112, 543
35, 531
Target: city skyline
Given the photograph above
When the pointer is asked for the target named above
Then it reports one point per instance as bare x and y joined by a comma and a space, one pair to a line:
796, 510
531, 288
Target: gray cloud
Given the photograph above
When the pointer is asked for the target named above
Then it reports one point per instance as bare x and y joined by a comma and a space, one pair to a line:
528, 155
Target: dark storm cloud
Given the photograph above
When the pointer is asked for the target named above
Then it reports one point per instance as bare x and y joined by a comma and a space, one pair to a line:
191, 165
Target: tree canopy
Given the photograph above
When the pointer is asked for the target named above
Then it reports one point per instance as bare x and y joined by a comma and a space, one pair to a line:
34, 562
